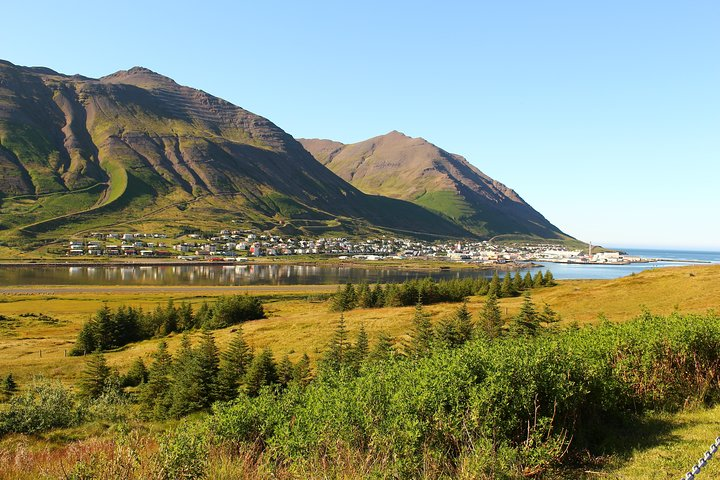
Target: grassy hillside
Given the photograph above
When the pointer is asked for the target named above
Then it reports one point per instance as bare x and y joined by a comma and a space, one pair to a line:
415, 170
79, 154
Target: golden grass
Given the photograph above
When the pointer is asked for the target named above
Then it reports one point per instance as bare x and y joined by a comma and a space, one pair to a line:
664, 446
297, 325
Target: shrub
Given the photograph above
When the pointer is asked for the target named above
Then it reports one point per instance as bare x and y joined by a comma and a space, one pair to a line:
506, 407
183, 452
233, 310
45, 405
112, 406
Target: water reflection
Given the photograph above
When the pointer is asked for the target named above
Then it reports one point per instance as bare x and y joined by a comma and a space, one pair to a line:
276, 274
218, 275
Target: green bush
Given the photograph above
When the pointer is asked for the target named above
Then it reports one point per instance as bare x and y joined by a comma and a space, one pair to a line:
233, 310
43, 406
112, 406
523, 398
183, 452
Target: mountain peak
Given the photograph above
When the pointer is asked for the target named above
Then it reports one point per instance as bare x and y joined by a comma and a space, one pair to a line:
141, 70
395, 133
418, 171
139, 76
400, 137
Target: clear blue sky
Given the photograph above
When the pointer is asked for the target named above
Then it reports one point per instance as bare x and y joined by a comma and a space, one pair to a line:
605, 116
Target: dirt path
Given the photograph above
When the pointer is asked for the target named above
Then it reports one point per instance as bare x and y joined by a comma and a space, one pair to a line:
155, 289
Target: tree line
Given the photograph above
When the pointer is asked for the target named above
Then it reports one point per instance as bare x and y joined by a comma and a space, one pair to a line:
197, 376
194, 377
109, 329
451, 331
430, 291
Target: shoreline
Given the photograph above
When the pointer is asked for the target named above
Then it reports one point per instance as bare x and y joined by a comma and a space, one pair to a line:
329, 263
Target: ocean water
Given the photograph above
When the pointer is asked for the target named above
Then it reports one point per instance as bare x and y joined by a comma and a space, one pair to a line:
578, 271
697, 255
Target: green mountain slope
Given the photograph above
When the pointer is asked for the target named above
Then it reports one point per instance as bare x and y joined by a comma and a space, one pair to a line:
136, 148
413, 169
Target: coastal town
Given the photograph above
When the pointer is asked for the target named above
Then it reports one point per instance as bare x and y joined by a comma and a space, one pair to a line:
242, 246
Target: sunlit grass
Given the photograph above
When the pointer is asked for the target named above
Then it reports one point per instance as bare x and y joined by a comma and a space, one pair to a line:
298, 323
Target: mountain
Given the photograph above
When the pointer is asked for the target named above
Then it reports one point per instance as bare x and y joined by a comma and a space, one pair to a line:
415, 170
136, 150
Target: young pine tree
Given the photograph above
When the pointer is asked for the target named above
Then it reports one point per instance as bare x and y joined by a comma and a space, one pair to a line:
85, 342
195, 377
185, 317
548, 279
528, 281
155, 394
136, 374
337, 355
527, 322
344, 299
482, 287
538, 280
96, 376
204, 315
384, 348
421, 334
9, 387
285, 371
359, 352
103, 328
205, 367
233, 366
491, 322
365, 296
262, 372
378, 295
180, 390
518, 282
494, 285
507, 289
170, 319
446, 332
464, 323
302, 373
548, 316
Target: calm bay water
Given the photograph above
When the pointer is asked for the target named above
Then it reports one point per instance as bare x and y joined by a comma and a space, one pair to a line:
216, 275
575, 271
309, 275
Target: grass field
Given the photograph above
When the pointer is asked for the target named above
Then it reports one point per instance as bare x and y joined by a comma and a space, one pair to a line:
666, 447
299, 321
